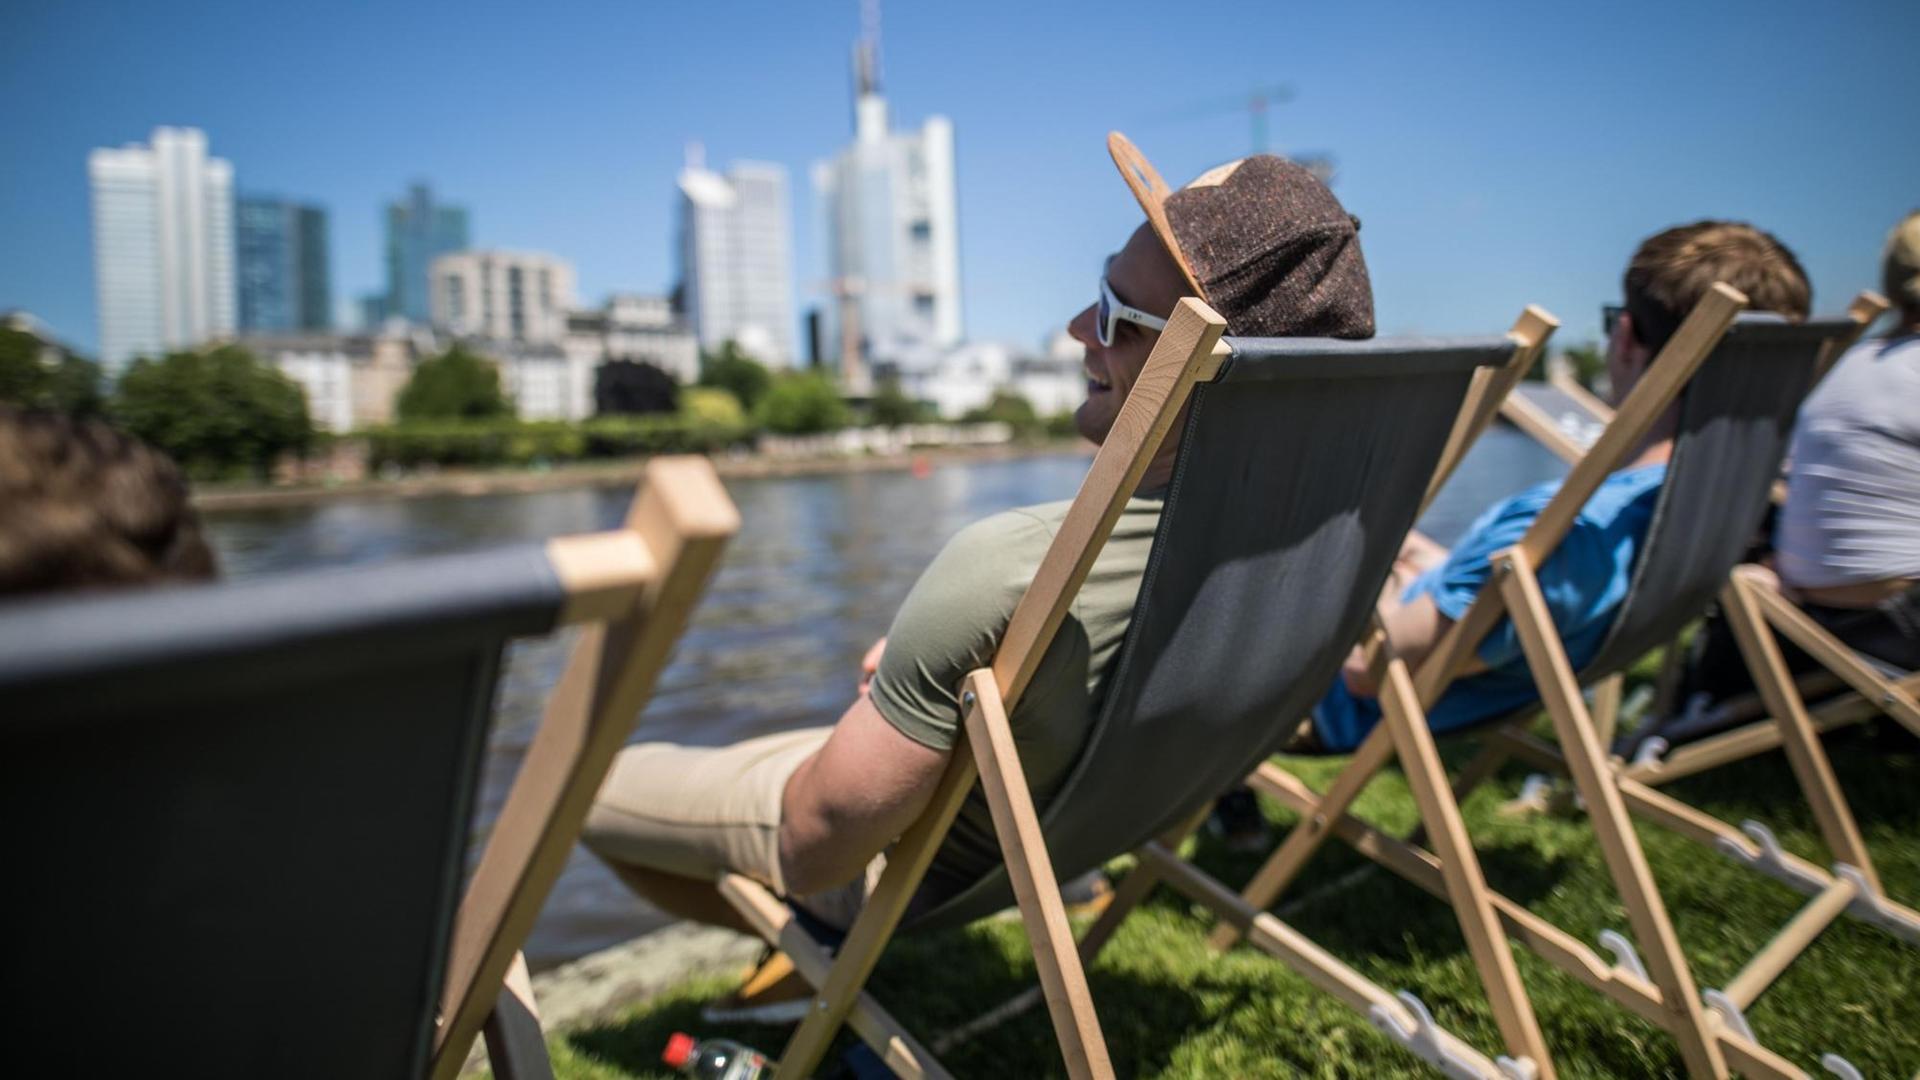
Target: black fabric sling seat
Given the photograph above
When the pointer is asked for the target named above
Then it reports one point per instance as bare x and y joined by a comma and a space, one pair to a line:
1736, 418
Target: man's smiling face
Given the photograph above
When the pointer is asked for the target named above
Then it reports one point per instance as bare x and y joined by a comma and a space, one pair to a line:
1145, 276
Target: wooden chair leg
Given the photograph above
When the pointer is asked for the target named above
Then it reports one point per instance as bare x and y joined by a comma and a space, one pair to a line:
1286, 863
1485, 765
516, 1047
906, 864
1593, 776
1897, 699
1801, 743
1606, 707
773, 921
1460, 867
1133, 889
1035, 888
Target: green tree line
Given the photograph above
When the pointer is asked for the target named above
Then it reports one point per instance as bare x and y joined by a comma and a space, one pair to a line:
223, 413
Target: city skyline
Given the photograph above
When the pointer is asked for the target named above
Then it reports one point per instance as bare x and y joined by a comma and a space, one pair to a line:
1482, 186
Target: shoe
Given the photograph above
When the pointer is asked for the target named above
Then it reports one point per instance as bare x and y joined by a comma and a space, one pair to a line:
1088, 895
772, 993
1236, 821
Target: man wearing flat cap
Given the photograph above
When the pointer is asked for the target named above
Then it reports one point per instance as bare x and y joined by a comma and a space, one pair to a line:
810, 812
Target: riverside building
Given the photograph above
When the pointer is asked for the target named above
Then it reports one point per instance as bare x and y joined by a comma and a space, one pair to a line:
522, 297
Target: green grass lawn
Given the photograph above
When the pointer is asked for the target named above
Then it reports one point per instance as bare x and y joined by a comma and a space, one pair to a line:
1171, 1008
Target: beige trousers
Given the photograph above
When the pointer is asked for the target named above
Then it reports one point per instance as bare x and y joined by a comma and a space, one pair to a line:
700, 811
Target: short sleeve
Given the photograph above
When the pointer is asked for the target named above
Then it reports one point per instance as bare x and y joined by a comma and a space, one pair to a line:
952, 621
1455, 583
1579, 581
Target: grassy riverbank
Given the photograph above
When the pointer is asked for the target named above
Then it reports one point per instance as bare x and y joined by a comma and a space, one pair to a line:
1171, 1008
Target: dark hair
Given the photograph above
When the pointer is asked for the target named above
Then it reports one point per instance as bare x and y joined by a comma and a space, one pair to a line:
83, 505
1672, 271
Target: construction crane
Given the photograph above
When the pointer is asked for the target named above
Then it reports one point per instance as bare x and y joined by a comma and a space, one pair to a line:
1256, 102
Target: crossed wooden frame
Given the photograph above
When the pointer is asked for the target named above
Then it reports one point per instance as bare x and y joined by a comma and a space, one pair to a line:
1776, 717
1188, 351
631, 591
1712, 1037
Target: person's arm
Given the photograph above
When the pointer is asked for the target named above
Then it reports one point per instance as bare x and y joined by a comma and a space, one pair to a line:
1414, 628
848, 801
877, 770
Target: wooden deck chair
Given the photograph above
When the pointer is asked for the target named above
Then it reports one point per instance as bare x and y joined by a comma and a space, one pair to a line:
1302, 463
1738, 398
1872, 688
237, 817
1565, 418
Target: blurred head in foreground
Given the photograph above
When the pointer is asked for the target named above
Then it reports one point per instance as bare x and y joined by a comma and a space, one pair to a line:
85, 506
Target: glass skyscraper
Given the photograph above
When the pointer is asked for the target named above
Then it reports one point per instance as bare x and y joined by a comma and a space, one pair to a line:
284, 283
418, 232
162, 245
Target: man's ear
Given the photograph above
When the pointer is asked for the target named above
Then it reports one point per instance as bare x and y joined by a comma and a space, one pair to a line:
1633, 355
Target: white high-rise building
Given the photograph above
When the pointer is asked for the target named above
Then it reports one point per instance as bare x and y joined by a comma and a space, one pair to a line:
892, 234
736, 266
502, 295
162, 245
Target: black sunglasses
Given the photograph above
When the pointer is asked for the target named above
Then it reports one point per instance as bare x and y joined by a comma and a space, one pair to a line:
1609, 317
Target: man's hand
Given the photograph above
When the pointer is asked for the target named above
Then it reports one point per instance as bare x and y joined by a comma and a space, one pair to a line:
1413, 628
1418, 554
870, 663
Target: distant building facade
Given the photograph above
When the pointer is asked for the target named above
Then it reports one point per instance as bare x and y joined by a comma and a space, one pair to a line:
162, 245
630, 326
966, 376
513, 296
736, 266
284, 279
419, 230
891, 222
351, 381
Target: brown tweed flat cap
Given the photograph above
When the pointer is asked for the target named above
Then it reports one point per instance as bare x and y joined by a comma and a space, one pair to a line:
1261, 240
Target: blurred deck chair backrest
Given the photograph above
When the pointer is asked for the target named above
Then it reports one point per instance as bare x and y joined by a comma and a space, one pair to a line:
237, 816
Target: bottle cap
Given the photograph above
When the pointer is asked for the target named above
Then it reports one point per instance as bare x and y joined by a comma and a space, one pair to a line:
679, 1051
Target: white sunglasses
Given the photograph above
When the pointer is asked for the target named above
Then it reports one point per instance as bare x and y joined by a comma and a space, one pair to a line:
1113, 311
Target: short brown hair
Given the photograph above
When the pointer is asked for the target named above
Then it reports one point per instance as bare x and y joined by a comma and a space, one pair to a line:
83, 505
1672, 271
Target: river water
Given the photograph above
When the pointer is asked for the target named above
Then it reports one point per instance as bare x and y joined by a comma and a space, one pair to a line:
814, 577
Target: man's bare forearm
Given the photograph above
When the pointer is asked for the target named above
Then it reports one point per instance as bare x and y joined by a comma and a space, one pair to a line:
851, 798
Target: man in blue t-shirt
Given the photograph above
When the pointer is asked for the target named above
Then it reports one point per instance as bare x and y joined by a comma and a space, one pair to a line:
1585, 579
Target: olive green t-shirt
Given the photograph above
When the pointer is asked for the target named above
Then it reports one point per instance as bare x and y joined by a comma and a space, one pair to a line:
951, 624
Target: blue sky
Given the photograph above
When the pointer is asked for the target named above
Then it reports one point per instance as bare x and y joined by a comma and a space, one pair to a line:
1498, 154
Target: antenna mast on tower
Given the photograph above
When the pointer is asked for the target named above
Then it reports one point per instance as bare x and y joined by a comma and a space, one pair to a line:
870, 42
